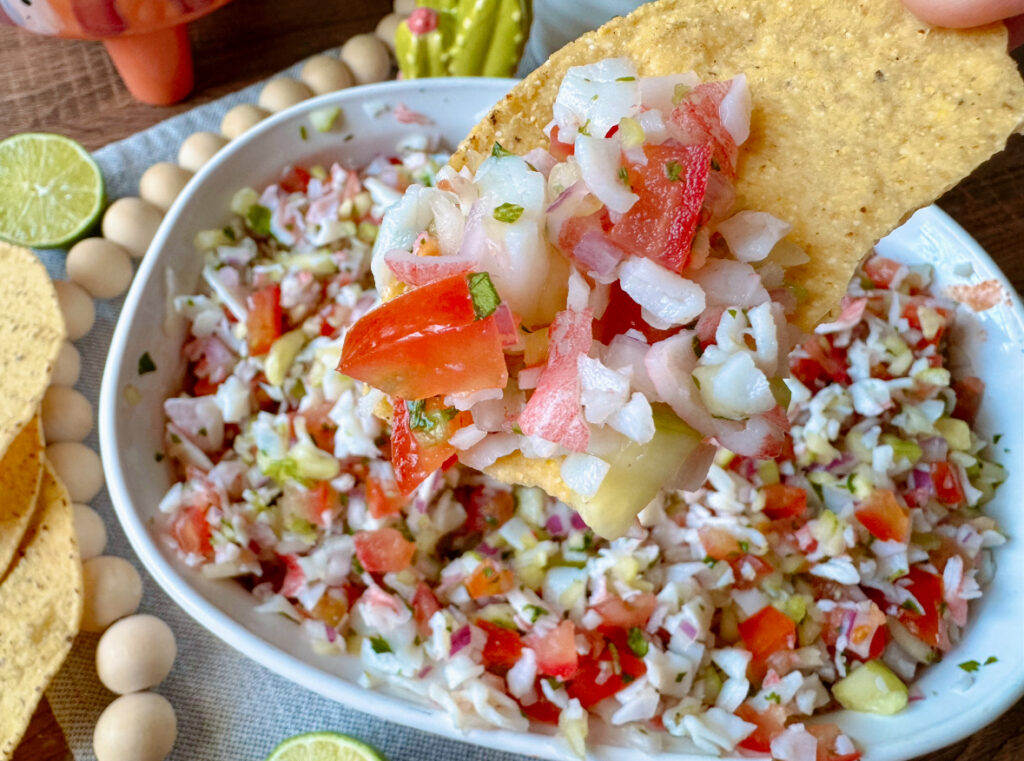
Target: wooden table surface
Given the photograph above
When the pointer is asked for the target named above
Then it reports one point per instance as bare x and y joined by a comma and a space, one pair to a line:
70, 87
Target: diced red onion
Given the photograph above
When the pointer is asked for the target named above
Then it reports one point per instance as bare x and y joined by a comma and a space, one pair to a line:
487, 549
598, 255
540, 160
506, 323
331, 632
460, 639
577, 522
688, 629
554, 525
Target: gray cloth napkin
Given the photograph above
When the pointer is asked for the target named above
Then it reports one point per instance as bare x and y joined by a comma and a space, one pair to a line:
229, 708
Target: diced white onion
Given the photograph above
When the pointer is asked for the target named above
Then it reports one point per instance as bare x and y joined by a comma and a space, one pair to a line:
600, 160
583, 473
751, 235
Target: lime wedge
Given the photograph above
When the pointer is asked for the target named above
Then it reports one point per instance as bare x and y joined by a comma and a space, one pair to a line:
51, 190
324, 746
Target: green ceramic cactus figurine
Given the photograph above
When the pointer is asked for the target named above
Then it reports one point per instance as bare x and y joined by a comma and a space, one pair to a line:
458, 38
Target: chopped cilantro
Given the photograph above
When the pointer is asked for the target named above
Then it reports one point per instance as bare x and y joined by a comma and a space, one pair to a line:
637, 643
673, 169
970, 666
911, 606
508, 213
626, 79
696, 381
680, 676
774, 697
175, 438
627, 678
498, 152
146, 364
995, 439
583, 129
229, 233
303, 132
732, 313
357, 566
744, 546
849, 483
698, 348
298, 389
990, 660
709, 561
594, 97
258, 218
485, 296
715, 165
624, 175
534, 612
159, 456
203, 432
380, 645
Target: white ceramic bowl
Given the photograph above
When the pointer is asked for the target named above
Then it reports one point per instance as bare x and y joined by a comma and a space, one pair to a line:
130, 433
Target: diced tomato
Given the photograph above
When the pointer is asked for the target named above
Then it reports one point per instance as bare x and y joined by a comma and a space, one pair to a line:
969, 392
947, 484
502, 648
824, 364
383, 497
719, 543
827, 734
321, 501
426, 342
424, 606
911, 315
767, 632
320, 427
740, 565
883, 516
556, 650
416, 453
626, 614
561, 151
487, 508
296, 181
488, 580
622, 314
294, 576
696, 121
881, 271
782, 501
384, 550
265, 321
542, 711
770, 724
927, 590
671, 187
191, 531
602, 675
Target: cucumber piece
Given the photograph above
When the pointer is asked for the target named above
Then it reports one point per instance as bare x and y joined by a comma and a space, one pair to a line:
639, 471
873, 688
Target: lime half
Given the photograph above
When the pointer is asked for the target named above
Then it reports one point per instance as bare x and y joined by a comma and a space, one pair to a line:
51, 190
324, 746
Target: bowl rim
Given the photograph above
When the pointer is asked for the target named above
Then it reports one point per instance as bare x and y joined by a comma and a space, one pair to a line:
351, 694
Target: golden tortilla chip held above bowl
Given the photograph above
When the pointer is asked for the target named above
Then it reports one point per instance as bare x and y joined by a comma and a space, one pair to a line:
862, 114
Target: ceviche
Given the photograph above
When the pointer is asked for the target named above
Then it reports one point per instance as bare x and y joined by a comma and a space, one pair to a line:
827, 549
559, 298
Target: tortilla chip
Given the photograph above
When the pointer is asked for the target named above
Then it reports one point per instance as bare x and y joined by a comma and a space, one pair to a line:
21, 469
33, 331
862, 114
40, 608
